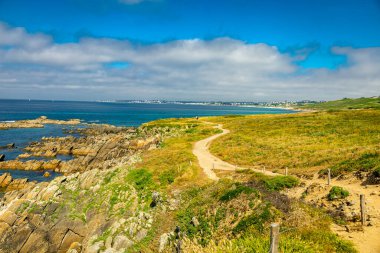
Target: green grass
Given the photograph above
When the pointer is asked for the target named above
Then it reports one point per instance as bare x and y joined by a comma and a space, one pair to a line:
174, 164
234, 219
376, 172
256, 220
346, 103
337, 192
304, 142
279, 183
234, 215
367, 162
237, 212
140, 179
236, 191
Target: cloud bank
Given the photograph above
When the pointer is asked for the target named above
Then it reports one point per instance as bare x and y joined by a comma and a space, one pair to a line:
34, 66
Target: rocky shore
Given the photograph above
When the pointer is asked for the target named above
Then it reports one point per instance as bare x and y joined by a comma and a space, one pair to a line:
100, 146
94, 207
7, 183
37, 123
48, 218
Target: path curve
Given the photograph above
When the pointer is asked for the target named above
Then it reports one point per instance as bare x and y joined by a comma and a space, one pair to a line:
208, 162
366, 242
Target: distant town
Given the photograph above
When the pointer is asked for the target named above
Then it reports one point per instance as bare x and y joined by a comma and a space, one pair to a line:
282, 104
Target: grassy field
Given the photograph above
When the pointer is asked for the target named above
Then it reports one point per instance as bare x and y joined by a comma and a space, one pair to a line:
304, 142
174, 164
233, 215
346, 103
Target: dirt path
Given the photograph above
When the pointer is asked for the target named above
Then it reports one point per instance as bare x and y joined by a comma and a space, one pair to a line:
366, 241
209, 162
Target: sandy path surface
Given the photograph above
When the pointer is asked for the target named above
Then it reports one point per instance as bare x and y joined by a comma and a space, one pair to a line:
209, 162
366, 241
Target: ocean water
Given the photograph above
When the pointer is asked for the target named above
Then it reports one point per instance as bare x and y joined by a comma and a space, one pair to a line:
21, 137
32, 175
119, 114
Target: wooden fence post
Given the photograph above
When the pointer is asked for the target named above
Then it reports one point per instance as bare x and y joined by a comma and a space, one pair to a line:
362, 209
286, 171
328, 176
274, 237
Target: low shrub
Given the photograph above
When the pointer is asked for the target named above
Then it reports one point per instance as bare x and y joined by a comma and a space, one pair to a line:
233, 193
140, 178
366, 162
337, 192
167, 177
255, 220
279, 183
376, 172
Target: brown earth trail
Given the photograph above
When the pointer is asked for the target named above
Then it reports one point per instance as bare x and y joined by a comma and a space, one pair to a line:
366, 241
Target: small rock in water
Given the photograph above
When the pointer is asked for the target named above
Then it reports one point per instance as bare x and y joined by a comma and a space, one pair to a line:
11, 145
2, 157
46, 174
8, 146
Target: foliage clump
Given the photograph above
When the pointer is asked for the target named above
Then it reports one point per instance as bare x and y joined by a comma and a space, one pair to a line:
257, 220
305, 142
140, 179
337, 192
236, 191
279, 183
369, 161
376, 172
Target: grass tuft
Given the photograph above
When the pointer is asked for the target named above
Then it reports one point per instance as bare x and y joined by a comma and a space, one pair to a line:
337, 192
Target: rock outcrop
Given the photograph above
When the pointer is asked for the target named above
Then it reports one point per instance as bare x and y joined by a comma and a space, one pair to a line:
37, 123
8, 146
101, 146
94, 207
7, 183
76, 213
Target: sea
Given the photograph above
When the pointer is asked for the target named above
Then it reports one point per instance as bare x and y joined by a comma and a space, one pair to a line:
115, 113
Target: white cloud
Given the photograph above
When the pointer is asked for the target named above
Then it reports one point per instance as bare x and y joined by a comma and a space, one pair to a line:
19, 37
32, 65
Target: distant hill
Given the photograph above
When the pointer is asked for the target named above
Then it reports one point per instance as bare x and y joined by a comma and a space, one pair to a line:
346, 103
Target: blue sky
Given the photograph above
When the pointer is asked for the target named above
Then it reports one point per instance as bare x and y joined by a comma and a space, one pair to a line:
311, 33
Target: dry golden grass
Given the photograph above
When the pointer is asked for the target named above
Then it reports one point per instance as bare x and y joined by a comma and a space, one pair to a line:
304, 142
173, 164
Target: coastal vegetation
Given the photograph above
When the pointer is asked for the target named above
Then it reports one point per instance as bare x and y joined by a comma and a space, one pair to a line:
346, 103
233, 214
337, 192
157, 194
346, 140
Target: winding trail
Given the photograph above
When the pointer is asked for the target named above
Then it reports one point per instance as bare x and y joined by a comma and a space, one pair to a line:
209, 162
367, 241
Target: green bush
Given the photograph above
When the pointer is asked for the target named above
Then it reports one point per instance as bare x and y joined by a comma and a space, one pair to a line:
256, 220
140, 178
376, 172
337, 192
279, 183
233, 193
167, 177
366, 162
